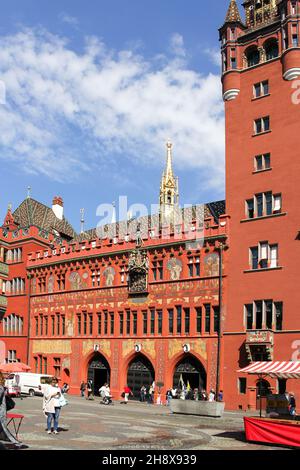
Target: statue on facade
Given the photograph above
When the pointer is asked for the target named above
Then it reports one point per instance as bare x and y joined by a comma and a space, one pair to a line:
138, 267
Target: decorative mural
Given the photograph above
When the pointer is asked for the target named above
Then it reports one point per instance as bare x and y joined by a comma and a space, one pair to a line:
75, 281
109, 275
104, 346
198, 346
44, 346
174, 265
51, 284
211, 265
33, 285
148, 346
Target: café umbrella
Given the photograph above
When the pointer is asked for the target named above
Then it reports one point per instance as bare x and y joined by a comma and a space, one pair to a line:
14, 367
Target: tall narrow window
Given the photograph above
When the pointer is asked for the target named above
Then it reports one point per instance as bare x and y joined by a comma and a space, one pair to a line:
186, 321
53, 324
63, 325
278, 315
112, 323
159, 322
152, 321
216, 319
57, 324
105, 322
99, 323
145, 322
128, 322
134, 316
249, 316
199, 319
259, 314
78, 324
85, 323
179, 320
207, 318
91, 324
171, 321
254, 257
269, 313
121, 318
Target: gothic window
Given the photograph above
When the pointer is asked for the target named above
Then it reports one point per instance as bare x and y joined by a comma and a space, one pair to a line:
199, 319
207, 318
171, 321
271, 49
253, 57
263, 314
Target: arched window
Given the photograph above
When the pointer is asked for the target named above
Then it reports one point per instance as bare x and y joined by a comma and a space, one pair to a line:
252, 55
271, 49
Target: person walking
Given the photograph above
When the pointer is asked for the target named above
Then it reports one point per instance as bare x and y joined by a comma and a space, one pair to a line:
82, 389
127, 391
220, 395
212, 395
143, 393
51, 405
169, 397
90, 390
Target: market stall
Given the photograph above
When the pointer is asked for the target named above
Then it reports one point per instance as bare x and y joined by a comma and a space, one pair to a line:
278, 427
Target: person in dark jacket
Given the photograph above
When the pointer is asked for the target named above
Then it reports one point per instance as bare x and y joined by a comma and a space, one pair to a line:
292, 404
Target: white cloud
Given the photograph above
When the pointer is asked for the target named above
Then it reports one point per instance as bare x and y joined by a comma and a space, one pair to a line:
67, 112
177, 45
66, 18
214, 56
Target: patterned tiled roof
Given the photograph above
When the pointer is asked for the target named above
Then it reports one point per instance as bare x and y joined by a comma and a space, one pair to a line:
31, 212
233, 14
212, 209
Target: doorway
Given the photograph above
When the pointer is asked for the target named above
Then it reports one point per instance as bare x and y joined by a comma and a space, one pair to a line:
98, 372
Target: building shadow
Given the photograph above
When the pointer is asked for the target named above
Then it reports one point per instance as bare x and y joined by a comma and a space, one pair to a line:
235, 435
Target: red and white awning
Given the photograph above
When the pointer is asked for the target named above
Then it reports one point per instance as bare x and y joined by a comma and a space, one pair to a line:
275, 369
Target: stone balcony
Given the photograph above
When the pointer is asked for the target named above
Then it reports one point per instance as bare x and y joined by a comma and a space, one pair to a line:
262, 340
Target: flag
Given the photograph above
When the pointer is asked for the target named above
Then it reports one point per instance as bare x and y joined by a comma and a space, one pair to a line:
181, 382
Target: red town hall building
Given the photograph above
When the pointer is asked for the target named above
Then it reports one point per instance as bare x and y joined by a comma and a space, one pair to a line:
198, 293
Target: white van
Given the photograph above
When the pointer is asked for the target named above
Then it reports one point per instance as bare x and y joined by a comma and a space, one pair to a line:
30, 384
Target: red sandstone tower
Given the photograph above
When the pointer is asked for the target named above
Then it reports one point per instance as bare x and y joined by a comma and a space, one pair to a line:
261, 60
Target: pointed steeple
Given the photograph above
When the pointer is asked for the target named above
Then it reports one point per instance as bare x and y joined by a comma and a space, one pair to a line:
169, 166
9, 221
168, 198
233, 14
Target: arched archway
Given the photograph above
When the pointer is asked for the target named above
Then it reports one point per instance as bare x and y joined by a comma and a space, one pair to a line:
140, 372
191, 370
253, 56
271, 49
98, 372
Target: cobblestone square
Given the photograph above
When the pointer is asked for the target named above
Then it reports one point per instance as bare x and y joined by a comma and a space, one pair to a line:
88, 425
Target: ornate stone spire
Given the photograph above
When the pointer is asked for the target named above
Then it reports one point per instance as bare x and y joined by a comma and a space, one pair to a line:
233, 14
168, 199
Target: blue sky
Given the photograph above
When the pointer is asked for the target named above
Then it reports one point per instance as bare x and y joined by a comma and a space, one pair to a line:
95, 88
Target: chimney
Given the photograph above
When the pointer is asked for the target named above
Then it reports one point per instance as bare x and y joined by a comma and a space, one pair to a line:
58, 207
